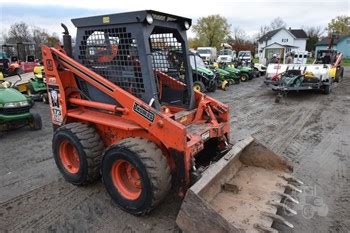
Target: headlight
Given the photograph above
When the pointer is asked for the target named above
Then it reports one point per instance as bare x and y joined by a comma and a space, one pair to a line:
149, 19
16, 104
187, 25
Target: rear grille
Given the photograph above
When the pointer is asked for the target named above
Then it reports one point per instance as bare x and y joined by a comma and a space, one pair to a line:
112, 53
14, 111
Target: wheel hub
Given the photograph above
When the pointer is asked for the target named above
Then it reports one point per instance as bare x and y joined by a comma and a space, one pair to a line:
69, 157
196, 88
126, 179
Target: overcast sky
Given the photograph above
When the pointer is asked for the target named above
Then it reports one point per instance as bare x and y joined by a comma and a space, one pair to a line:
246, 14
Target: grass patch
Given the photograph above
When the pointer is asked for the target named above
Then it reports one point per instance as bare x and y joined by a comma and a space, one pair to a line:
310, 60
346, 62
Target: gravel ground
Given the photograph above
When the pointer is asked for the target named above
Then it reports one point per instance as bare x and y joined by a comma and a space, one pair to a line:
312, 129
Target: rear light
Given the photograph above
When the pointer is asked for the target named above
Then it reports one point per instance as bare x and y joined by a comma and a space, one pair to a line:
187, 25
149, 19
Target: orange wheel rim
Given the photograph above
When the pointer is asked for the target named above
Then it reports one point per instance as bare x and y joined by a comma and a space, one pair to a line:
69, 156
126, 179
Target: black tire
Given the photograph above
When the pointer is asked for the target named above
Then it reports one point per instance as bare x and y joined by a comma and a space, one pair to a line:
200, 85
35, 122
339, 77
15, 71
257, 72
213, 87
153, 170
89, 147
19, 71
30, 89
237, 81
336, 79
327, 89
44, 98
251, 75
31, 102
244, 77
342, 74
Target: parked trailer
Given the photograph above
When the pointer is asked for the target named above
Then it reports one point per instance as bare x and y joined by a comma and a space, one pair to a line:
283, 78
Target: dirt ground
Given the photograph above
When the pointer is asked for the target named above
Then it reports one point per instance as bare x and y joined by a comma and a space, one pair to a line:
311, 129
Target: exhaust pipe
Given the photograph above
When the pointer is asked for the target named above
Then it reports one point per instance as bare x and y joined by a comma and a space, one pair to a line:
67, 41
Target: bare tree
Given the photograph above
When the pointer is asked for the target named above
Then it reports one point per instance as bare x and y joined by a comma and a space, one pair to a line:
314, 34
239, 35
277, 23
39, 37
18, 33
262, 31
314, 31
239, 40
21, 33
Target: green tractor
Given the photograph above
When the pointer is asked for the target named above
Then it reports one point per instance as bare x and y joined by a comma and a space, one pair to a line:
36, 87
15, 108
244, 73
204, 79
251, 72
225, 78
242, 76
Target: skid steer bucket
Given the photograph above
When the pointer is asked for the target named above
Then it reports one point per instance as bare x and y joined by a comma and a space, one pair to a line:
241, 192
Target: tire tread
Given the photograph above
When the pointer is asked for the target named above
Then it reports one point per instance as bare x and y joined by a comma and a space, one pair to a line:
92, 146
156, 165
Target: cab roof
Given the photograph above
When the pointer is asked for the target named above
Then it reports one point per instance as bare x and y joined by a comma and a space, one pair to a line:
126, 18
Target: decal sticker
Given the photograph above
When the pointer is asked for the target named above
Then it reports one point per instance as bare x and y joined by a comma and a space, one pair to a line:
105, 19
51, 80
56, 109
143, 112
49, 65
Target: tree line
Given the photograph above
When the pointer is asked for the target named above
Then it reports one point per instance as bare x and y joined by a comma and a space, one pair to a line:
210, 31
213, 30
23, 33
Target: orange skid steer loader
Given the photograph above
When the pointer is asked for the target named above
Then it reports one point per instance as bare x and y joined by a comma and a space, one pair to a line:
123, 108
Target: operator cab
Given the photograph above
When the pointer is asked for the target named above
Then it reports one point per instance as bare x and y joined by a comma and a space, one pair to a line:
326, 56
135, 50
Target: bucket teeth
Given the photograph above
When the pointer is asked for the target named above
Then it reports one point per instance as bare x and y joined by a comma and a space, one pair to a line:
265, 229
278, 218
284, 206
292, 179
287, 197
291, 187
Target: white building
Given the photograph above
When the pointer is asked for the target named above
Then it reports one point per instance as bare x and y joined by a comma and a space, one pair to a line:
280, 42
